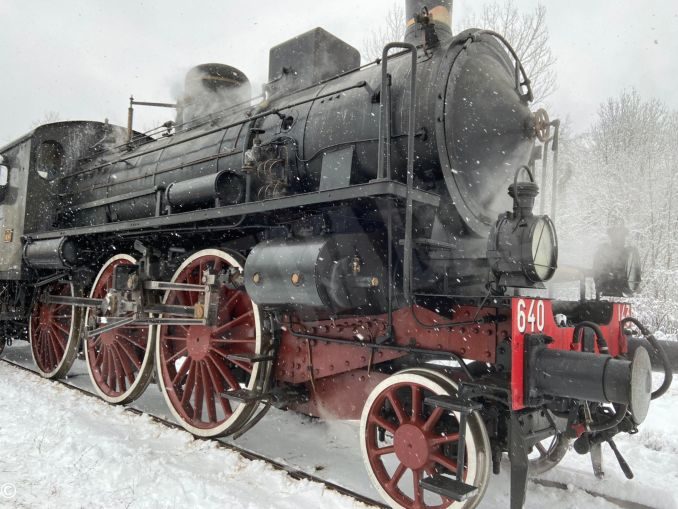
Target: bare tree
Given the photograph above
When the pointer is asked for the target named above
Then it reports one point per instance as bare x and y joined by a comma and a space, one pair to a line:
528, 34
48, 117
392, 29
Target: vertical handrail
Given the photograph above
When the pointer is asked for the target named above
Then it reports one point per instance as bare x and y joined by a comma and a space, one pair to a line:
555, 146
544, 169
384, 170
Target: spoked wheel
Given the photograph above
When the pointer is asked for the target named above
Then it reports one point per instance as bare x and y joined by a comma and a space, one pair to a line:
547, 453
403, 441
54, 331
120, 362
198, 364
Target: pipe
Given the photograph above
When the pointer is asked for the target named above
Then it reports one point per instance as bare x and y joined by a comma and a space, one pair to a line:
439, 13
658, 350
130, 119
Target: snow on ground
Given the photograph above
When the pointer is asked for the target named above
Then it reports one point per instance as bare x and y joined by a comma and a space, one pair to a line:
59, 448
62, 449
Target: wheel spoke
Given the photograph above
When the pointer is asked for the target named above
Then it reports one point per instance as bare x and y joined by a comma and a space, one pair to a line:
180, 353
416, 404
125, 363
219, 388
61, 328
446, 462
199, 391
131, 354
231, 302
446, 439
209, 394
233, 323
225, 372
188, 388
397, 408
382, 423
181, 372
119, 370
130, 339
242, 365
433, 419
57, 346
397, 475
377, 453
104, 365
418, 495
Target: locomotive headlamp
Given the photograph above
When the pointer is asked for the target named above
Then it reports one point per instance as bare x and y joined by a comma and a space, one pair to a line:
522, 248
616, 267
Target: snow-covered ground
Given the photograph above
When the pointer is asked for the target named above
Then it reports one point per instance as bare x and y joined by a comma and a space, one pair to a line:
60, 448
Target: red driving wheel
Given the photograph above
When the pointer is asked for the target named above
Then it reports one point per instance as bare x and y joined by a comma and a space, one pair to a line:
54, 331
120, 362
198, 364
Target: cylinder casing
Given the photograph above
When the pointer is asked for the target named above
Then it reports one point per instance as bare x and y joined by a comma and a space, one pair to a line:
338, 272
51, 254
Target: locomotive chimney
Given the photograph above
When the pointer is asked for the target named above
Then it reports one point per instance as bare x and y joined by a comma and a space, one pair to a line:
210, 88
439, 14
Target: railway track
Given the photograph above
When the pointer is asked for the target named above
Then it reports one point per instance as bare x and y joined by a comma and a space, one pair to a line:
298, 474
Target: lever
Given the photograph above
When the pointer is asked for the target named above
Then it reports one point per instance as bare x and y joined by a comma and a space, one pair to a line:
622, 462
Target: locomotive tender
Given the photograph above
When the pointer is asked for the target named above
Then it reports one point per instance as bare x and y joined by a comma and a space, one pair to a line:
349, 246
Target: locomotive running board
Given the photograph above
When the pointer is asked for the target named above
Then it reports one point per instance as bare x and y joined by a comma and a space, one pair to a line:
448, 487
376, 189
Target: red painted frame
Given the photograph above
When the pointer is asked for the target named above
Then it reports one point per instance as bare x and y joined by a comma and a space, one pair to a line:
562, 336
310, 360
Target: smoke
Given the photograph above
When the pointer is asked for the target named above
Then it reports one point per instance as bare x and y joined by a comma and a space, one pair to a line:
209, 90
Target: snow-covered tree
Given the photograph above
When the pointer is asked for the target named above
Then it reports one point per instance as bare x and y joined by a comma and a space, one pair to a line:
626, 169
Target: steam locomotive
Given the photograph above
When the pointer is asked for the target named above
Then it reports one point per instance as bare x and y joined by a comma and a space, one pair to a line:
358, 243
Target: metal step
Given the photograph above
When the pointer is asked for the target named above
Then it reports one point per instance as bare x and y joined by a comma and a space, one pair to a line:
448, 487
250, 357
453, 403
244, 395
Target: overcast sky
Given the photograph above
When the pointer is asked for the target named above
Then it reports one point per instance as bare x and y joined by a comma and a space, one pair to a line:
83, 58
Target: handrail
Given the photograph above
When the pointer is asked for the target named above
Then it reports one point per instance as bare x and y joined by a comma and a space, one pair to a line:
384, 167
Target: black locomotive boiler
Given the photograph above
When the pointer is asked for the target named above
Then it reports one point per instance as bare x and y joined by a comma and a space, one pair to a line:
357, 243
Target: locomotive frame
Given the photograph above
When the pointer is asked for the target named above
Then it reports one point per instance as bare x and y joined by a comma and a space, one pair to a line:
246, 292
